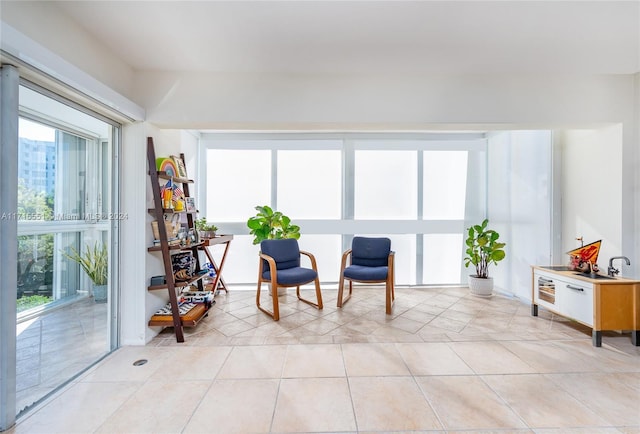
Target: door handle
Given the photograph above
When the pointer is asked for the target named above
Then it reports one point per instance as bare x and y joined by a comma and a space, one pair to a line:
575, 288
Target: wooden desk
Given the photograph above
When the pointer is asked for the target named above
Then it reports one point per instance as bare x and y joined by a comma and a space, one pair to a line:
218, 282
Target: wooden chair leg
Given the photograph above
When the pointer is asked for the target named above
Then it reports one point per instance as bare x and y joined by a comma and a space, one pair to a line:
341, 297
276, 304
276, 308
340, 290
258, 293
318, 296
389, 297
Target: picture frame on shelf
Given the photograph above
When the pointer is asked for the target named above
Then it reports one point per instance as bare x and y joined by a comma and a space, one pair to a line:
190, 204
180, 167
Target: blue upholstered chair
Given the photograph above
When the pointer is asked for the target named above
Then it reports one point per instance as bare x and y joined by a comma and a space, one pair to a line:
280, 266
371, 261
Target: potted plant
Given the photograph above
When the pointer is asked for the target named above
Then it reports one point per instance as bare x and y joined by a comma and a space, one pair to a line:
95, 262
268, 224
205, 230
483, 249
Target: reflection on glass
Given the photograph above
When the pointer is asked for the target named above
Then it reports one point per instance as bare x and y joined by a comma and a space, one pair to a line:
309, 184
445, 182
237, 181
64, 180
385, 185
35, 270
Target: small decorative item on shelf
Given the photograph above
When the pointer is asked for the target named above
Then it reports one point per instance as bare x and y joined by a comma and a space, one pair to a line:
167, 195
206, 230
182, 170
183, 266
190, 204
167, 165
172, 226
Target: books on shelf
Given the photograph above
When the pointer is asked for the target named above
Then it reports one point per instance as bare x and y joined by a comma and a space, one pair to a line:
184, 308
197, 296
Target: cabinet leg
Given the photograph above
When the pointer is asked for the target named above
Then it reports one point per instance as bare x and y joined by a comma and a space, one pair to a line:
635, 337
596, 338
534, 310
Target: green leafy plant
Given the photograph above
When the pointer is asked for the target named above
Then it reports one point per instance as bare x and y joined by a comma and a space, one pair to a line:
25, 303
483, 248
202, 225
268, 224
94, 261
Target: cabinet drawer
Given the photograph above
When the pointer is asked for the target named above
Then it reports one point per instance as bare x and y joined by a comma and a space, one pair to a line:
576, 301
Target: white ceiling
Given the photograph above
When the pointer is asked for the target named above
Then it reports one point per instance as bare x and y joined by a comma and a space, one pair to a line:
437, 37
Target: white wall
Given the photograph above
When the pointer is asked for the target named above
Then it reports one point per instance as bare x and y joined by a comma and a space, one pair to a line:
592, 191
137, 304
133, 240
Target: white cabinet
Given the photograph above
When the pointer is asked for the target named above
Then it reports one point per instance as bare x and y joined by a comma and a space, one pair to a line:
601, 303
576, 301
568, 297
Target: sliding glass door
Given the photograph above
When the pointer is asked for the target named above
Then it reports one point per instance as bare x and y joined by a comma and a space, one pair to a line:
66, 207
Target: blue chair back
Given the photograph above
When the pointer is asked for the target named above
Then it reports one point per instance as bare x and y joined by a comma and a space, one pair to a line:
285, 252
370, 252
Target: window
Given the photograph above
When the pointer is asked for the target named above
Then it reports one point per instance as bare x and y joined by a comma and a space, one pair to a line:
445, 184
309, 184
410, 188
66, 199
385, 185
237, 181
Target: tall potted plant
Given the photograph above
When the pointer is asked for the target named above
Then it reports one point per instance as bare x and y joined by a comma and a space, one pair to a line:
268, 224
95, 262
483, 249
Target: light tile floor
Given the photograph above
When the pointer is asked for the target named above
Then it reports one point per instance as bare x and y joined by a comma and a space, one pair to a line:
445, 361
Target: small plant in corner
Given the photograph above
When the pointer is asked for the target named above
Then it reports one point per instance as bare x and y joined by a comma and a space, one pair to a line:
483, 249
206, 230
268, 224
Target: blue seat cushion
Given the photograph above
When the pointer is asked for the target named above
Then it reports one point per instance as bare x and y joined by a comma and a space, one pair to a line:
364, 273
292, 276
370, 252
285, 252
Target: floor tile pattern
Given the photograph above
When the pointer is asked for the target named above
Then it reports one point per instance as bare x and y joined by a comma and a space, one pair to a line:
443, 362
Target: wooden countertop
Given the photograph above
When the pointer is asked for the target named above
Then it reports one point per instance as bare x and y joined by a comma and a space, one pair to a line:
607, 280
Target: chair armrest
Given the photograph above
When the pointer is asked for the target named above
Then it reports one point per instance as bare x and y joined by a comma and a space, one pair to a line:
345, 256
272, 266
312, 258
391, 266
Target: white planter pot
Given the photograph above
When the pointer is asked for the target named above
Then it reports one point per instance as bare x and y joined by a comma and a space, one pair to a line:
481, 287
281, 290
